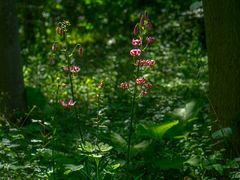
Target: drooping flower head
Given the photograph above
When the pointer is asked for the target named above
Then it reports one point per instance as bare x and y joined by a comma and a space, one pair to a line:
136, 42
148, 86
135, 52
144, 93
124, 85
150, 62
73, 69
141, 80
80, 51
150, 40
69, 103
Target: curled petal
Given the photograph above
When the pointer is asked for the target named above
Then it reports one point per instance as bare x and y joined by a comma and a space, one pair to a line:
63, 103
68, 103
71, 102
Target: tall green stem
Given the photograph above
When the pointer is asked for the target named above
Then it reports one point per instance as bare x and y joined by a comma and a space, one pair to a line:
54, 132
133, 107
71, 86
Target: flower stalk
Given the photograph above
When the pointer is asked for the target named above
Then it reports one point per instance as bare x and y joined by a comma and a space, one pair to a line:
140, 84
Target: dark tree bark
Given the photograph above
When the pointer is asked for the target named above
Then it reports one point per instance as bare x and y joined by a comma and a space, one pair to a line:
11, 77
222, 25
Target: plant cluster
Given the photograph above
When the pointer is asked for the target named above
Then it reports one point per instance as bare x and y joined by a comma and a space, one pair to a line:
96, 114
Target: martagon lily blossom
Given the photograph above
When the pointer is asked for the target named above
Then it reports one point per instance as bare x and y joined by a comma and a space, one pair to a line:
141, 80
124, 85
148, 62
73, 69
150, 40
68, 103
135, 52
136, 42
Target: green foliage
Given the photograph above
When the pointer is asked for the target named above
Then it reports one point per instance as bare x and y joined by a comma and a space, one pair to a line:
156, 131
173, 138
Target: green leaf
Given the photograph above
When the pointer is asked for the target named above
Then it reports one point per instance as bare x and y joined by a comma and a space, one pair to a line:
104, 147
72, 168
193, 161
218, 168
140, 147
190, 110
119, 142
115, 166
156, 131
67, 172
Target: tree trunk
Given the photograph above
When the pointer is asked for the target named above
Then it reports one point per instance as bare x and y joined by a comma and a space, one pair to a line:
222, 25
11, 77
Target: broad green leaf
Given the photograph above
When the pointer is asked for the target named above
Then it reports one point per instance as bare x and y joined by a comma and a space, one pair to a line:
104, 147
140, 147
156, 131
119, 142
218, 168
193, 161
190, 110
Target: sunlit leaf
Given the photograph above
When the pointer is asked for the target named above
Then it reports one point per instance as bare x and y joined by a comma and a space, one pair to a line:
156, 131
71, 168
194, 161
190, 110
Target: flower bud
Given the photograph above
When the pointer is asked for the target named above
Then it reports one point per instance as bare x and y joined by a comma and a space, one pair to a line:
146, 16
80, 52
54, 47
149, 26
135, 30
141, 20
101, 84
60, 31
